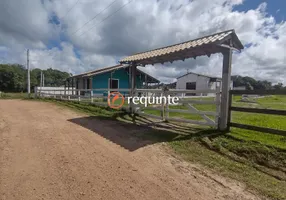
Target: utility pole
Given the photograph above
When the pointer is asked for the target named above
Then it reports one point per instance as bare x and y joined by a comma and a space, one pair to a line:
43, 80
28, 73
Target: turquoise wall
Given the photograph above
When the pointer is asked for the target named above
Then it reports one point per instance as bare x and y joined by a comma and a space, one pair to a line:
101, 80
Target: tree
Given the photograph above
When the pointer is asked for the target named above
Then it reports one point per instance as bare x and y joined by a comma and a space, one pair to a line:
278, 86
13, 78
251, 83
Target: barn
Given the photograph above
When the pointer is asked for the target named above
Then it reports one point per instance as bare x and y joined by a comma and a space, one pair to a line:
194, 81
114, 77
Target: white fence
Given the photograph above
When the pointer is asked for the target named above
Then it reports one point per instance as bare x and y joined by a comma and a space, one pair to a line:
187, 106
54, 90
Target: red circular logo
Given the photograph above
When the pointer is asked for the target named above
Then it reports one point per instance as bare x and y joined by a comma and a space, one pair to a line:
115, 100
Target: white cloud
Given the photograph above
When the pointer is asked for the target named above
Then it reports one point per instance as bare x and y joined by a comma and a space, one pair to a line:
140, 26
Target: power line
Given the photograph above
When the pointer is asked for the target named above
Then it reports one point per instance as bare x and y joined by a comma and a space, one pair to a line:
71, 8
181, 6
94, 17
107, 17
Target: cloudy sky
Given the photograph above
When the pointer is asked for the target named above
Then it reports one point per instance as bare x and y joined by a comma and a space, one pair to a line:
81, 35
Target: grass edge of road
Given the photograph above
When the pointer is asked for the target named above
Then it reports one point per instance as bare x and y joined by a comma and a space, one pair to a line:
217, 154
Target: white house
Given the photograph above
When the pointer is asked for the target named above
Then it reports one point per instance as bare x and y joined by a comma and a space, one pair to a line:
194, 81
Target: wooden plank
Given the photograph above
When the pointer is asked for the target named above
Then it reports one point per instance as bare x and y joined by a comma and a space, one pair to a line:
191, 121
149, 115
151, 108
259, 92
226, 78
257, 110
217, 99
193, 109
197, 101
194, 112
229, 112
190, 91
260, 129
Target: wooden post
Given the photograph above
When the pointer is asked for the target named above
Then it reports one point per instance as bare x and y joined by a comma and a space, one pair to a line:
217, 100
133, 84
65, 90
72, 86
146, 94
91, 96
110, 83
36, 91
229, 113
68, 86
226, 76
130, 79
78, 95
162, 105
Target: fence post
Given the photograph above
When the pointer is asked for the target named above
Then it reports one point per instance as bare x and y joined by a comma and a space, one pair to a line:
78, 94
55, 94
36, 91
162, 105
226, 78
65, 90
217, 100
167, 110
133, 85
229, 111
91, 96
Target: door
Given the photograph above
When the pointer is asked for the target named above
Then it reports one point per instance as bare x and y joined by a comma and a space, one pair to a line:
113, 84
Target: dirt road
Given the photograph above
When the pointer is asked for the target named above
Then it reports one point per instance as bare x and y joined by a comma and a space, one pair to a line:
48, 152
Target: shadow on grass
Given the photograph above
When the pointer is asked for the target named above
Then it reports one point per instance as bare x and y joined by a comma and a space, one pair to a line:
136, 132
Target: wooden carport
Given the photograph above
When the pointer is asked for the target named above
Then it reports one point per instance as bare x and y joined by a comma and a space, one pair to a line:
224, 42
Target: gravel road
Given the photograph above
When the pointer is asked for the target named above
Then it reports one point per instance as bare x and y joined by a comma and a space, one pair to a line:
49, 152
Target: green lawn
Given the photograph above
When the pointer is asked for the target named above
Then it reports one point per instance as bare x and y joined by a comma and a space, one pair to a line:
13, 95
260, 158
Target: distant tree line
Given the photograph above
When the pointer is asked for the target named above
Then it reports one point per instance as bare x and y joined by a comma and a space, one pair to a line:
252, 84
13, 78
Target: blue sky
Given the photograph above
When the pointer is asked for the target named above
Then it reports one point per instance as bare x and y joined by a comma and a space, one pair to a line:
143, 25
276, 8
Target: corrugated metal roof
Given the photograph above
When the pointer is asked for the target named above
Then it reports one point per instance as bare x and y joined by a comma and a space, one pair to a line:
95, 71
151, 79
103, 70
208, 76
173, 50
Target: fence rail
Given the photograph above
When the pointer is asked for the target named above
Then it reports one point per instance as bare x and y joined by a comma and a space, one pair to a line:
256, 110
91, 95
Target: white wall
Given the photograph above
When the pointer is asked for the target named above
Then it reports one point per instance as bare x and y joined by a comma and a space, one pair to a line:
202, 83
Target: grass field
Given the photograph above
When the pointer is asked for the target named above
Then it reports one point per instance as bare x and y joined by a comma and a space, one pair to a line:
13, 95
255, 158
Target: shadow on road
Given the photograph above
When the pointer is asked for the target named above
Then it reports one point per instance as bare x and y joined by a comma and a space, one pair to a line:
133, 133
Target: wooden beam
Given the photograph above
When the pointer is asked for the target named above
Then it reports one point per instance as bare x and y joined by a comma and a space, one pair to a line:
226, 79
260, 129
72, 86
258, 92
133, 83
261, 111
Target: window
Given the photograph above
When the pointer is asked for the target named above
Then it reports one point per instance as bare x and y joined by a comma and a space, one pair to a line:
88, 83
